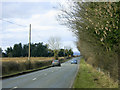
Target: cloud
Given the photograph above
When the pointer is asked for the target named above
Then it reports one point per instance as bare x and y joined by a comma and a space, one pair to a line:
43, 21
23, 9
30, 1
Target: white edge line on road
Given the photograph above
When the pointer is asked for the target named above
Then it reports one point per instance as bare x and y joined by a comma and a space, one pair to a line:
71, 85
34, 78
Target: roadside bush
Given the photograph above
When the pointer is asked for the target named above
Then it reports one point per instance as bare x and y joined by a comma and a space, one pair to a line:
10, 67
96, 26
15, 65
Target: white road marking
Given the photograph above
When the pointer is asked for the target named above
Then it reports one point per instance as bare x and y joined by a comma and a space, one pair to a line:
14, 88
34, 78
45, 73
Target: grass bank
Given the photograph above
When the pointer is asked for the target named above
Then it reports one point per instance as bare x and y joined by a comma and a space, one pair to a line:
89, 77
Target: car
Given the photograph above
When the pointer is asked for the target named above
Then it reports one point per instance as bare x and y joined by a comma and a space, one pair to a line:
74, 62
56, 63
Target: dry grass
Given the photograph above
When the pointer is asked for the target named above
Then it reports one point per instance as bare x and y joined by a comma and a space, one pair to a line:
23, 59
21, 64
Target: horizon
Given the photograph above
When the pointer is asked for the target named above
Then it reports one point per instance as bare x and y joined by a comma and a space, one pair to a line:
74, 52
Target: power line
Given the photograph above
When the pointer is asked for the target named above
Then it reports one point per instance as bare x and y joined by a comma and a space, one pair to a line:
13, 23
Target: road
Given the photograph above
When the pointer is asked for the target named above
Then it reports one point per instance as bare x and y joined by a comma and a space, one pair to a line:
54, 77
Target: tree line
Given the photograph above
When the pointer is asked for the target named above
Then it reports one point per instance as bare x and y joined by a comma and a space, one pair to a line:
96, 26
37, 50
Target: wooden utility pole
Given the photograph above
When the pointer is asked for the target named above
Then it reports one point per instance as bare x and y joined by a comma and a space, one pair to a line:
64, 52
29, 43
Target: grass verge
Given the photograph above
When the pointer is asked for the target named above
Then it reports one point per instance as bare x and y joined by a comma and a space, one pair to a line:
89, 77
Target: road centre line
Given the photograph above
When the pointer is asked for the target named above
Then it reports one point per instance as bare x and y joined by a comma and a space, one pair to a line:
45, 74
14, 88
34, 78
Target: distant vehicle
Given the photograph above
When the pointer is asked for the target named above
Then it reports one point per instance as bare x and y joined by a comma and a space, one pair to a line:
56, 63
74, 62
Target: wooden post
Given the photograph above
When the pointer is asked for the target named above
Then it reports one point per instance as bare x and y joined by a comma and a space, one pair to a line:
29, 45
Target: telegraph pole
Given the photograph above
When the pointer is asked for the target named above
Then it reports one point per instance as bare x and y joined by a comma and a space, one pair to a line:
64, 52
29, 44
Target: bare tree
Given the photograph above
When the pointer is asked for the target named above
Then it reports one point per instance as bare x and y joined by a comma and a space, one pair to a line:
54, 44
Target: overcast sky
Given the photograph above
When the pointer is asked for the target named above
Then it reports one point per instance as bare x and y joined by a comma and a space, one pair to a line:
42, 16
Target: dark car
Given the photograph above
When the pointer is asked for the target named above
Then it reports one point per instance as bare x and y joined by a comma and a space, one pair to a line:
56, 63
74, 62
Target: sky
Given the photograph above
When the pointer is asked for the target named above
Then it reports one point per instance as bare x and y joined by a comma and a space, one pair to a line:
42, 17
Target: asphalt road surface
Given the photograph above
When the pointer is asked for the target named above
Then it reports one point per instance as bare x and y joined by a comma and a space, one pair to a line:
54, 77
